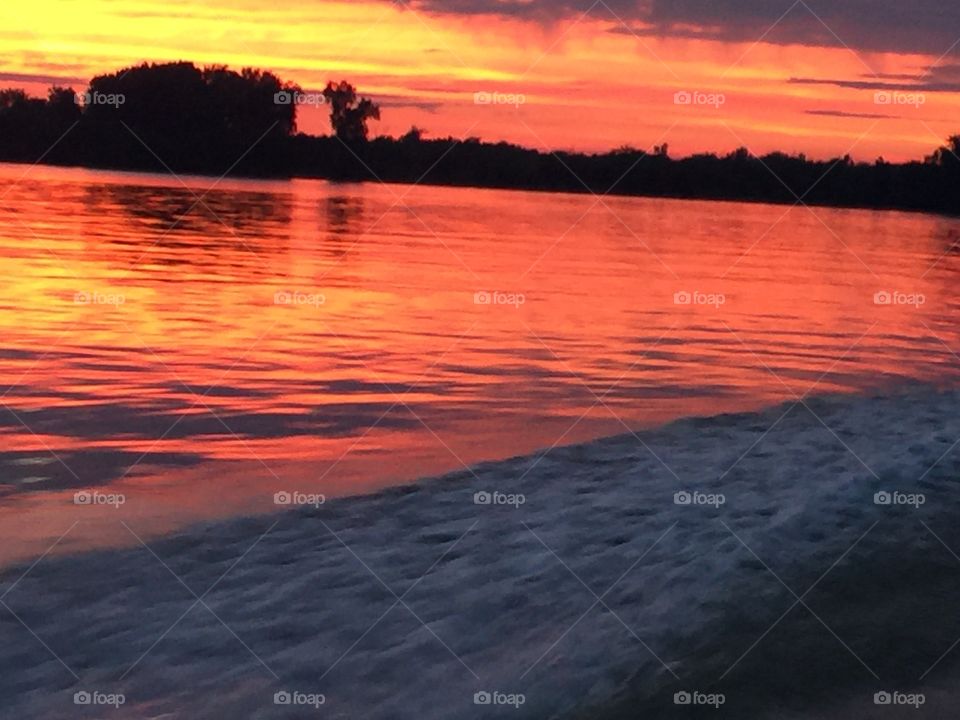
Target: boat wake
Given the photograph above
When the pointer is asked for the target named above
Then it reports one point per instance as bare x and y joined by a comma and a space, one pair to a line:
796, 561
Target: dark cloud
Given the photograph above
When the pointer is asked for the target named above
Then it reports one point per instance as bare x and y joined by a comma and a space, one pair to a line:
842, 114
928, 26
12, 77
406, 102
931, 79
916, 86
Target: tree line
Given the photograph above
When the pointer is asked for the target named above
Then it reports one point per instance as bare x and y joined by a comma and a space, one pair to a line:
213, 120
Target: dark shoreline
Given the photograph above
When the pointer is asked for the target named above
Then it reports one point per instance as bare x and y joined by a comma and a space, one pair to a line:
177, 117
536, 188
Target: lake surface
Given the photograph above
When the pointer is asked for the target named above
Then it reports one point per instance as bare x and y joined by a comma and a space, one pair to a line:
197, 346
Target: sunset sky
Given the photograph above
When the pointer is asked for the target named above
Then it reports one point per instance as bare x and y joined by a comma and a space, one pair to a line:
800, 77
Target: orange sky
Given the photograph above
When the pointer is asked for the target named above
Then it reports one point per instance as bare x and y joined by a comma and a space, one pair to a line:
587, 82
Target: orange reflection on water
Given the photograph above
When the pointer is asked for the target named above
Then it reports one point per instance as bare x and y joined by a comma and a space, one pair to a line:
198, 357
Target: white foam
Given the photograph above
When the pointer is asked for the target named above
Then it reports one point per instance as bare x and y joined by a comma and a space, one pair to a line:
510, 599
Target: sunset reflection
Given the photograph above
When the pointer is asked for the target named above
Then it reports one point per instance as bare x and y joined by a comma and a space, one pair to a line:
330, 338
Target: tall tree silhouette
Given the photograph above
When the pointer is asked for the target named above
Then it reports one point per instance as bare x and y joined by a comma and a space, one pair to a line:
347, 116
62, 106
30, 127
183, 117
947, 156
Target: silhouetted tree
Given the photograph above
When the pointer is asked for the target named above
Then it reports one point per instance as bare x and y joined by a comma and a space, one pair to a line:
413, 135
31, 127
62, 105
186, 118
948, 155
347, 116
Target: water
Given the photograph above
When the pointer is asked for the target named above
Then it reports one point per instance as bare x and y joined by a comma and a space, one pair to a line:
148, 348
796, 595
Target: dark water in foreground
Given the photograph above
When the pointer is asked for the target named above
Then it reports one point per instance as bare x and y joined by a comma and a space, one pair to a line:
595, 594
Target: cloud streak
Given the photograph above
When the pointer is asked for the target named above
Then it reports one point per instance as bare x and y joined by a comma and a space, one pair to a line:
843, 114
942, 80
